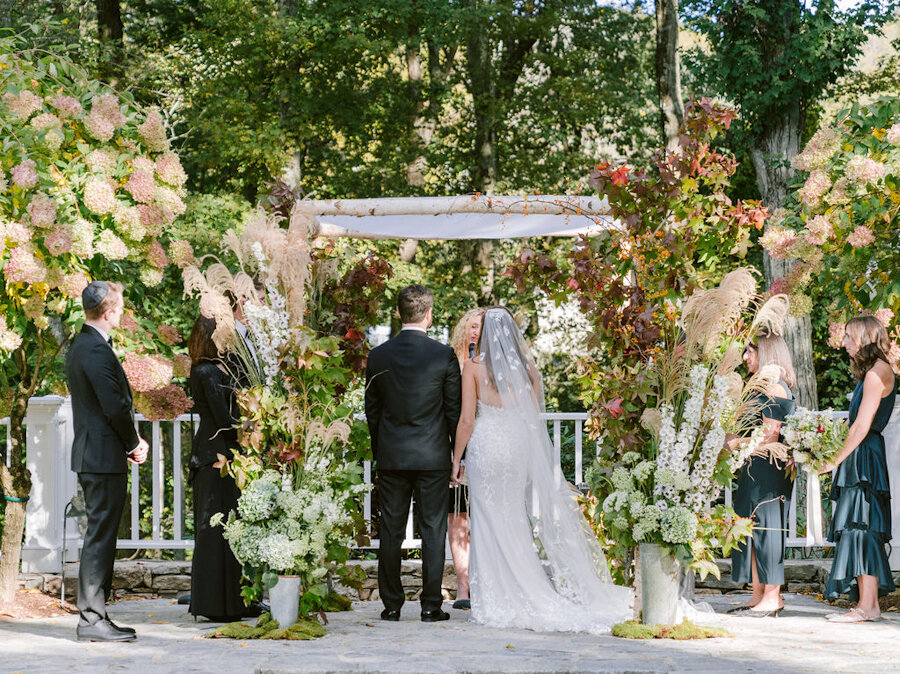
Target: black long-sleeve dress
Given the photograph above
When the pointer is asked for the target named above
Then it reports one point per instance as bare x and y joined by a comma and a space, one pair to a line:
764, 493
215, 573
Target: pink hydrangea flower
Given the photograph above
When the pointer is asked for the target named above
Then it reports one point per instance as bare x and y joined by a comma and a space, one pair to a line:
836, 335
815, 188
9, 340
72, 284
101, 161
778, 287
25, 174
818, 230
153, 218
168, 402
144, 164
885, 316
156, 255
169, 202
59, 242
778, 241
169, 335
128, 222
153, 132
15, 232
42, 210
838, 196
861, 236
67, 106
23, 105
107, 106
893, 356
169, 169
819, 150
864, 170
893, 135
82, 233
181, 365
129, 324
182, 253
99, 127
146, 373
23, 267
46, 121
111, 246
141, 186
99, 197
151, 277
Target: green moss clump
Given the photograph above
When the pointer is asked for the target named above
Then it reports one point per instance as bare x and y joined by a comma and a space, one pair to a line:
266, 628
632, 629
335, 602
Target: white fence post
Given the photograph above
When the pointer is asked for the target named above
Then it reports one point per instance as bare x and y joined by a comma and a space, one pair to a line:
892, 452
48, 449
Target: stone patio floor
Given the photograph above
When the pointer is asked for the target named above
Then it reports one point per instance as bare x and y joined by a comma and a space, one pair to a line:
800, 640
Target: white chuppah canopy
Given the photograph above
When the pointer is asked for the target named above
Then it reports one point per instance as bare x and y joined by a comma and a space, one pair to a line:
462, 217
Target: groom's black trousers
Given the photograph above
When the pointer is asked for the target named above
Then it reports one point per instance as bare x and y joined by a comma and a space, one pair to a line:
395, 488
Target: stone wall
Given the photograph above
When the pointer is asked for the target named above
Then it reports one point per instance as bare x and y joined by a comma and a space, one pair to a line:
155, 577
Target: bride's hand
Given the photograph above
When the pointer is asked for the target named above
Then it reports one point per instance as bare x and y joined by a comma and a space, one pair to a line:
456, 473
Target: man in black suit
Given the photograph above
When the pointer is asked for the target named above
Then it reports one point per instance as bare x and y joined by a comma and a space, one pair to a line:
105, 443
413, 401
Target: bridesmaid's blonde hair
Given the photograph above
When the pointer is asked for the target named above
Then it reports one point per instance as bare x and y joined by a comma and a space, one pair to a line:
773, 350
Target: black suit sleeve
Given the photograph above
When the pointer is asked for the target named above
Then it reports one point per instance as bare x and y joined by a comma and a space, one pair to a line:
111, 388
452, 395
373, 406
219, 390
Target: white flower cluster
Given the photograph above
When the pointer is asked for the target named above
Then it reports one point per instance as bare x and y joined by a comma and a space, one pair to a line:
269, 326
675, 456
740, 457
704, 489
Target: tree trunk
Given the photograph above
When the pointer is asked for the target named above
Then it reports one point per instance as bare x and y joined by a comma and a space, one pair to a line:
16, 483
481, 87
668, 71
771, 154
110, 32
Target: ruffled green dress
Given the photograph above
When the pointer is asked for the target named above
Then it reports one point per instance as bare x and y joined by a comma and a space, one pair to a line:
764, 493
861, 526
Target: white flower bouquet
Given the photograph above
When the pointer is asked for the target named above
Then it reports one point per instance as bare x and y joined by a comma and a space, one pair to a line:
814, 438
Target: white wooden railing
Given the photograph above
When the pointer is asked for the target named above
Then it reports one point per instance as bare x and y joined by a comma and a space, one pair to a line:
49, 447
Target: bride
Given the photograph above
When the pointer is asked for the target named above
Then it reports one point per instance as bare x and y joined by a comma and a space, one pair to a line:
534, 562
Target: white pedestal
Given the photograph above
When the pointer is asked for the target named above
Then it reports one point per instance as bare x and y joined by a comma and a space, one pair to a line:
48, 457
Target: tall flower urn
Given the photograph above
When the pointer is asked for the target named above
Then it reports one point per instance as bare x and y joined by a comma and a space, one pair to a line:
284, 599
659, 585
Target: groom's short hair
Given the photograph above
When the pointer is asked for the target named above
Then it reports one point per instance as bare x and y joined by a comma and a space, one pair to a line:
413, 302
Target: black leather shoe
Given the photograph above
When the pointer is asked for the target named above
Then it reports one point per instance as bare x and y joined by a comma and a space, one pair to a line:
125, 630
185, 599
102, 630
434, 616
391, 614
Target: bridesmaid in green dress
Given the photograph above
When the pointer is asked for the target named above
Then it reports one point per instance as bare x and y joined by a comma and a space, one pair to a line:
764, 487
861, 527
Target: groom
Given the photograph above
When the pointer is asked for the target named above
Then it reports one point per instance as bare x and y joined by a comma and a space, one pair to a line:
413, 400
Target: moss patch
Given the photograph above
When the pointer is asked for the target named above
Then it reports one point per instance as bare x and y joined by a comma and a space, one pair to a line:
266, 628
632, 629
335, 602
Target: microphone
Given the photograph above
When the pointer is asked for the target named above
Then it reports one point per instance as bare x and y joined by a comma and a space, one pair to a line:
471, 349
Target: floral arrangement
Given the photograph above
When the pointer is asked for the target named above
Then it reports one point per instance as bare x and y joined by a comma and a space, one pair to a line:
814, 438
666, 494
299, 465
841, 227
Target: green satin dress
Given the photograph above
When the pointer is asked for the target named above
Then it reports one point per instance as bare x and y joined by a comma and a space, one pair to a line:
764, 493
861, 526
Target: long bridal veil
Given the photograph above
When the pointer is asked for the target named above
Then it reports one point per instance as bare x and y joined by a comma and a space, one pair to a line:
569, 551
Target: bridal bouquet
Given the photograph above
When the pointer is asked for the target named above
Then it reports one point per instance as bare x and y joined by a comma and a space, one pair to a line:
667, 494
814, 438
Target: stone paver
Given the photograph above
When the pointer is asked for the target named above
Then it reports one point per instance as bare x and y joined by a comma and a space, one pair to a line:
169, 641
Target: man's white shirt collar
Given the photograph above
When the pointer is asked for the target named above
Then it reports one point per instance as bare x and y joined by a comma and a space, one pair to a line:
413, 327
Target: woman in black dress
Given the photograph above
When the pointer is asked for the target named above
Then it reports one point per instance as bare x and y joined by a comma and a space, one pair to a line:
215, 573
861, 526
764, 488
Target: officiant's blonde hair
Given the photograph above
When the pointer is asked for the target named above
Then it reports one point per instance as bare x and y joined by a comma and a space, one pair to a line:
458, 339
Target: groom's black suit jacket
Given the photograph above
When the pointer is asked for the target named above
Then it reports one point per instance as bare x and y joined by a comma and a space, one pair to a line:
101, 406
413, 402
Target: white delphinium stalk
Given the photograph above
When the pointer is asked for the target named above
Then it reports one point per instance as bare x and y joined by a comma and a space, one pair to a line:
745, 450
702, 484
664, 458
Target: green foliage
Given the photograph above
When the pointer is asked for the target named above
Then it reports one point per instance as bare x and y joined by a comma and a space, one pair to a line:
267, 628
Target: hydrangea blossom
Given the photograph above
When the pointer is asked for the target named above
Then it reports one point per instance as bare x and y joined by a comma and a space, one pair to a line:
111, 246
99, 196
860, 237
23, 267
23, 105
42, 210
25, 175
67, 106
146, 373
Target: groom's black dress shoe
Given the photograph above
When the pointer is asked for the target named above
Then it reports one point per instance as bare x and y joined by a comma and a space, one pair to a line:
102, 630
125, 630
391, 614
434, 616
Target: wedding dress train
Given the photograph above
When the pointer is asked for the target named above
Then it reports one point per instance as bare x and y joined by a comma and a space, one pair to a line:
534, 563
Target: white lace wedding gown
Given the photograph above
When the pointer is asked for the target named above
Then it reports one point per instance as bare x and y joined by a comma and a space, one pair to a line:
534, 563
